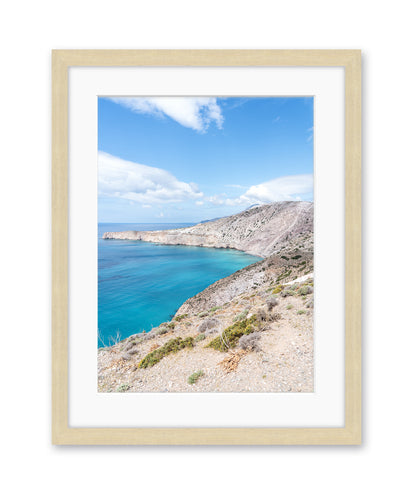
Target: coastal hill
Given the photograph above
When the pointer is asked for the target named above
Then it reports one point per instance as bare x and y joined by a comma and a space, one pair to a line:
251, 331
260, 230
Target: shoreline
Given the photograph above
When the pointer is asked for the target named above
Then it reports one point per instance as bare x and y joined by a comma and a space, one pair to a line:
192, 245
172, 316
156, 232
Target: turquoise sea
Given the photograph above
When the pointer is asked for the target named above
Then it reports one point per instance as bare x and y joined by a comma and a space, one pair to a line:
143, 284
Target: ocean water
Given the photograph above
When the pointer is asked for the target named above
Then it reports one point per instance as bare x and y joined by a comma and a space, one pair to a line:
142, 284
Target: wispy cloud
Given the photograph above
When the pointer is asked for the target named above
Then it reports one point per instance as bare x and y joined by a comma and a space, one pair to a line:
310, 132
191, 112
235, 102
141, 183
288, 188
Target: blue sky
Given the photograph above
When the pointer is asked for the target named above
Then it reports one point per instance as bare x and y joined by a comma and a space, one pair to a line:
187, 159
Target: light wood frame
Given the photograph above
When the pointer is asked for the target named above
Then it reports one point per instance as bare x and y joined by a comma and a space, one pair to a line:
350, 434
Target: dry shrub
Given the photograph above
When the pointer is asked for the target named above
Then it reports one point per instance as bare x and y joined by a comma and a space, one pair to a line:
250, 342
128, 355
154, 346
230, 363
310, 304
261, 315
274, 316
271, 303
207, 325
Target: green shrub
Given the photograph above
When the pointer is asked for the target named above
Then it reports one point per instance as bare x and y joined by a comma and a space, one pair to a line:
277, 289
283, 275
172, 346
122, 388
203, 314
241, 316
301, 312
232, 334
289, 307
180, 317
305, 290
296, 257
213, 309
200, 337
193, 378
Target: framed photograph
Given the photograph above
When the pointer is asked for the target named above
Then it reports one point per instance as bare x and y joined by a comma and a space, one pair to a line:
206, 245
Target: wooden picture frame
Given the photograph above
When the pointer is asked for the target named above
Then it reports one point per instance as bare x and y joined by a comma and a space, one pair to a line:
62, 433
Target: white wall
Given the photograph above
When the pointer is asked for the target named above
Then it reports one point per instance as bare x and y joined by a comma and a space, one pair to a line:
384, 31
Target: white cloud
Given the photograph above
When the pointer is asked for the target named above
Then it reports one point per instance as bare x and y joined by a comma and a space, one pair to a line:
289, 188
280, 189
217, 199
199, 203
192, 112
141, 183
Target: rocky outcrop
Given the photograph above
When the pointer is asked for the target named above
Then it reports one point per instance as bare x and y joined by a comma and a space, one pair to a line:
261, 230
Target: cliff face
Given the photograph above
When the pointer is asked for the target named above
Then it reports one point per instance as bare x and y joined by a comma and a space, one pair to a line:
262, 230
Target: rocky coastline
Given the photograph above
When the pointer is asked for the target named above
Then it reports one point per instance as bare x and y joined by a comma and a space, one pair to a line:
251, 331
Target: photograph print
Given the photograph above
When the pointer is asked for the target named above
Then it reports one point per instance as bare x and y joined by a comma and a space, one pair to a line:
205, 244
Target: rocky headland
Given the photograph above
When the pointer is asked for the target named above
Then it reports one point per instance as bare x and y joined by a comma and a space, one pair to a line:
251, 331
261, 230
